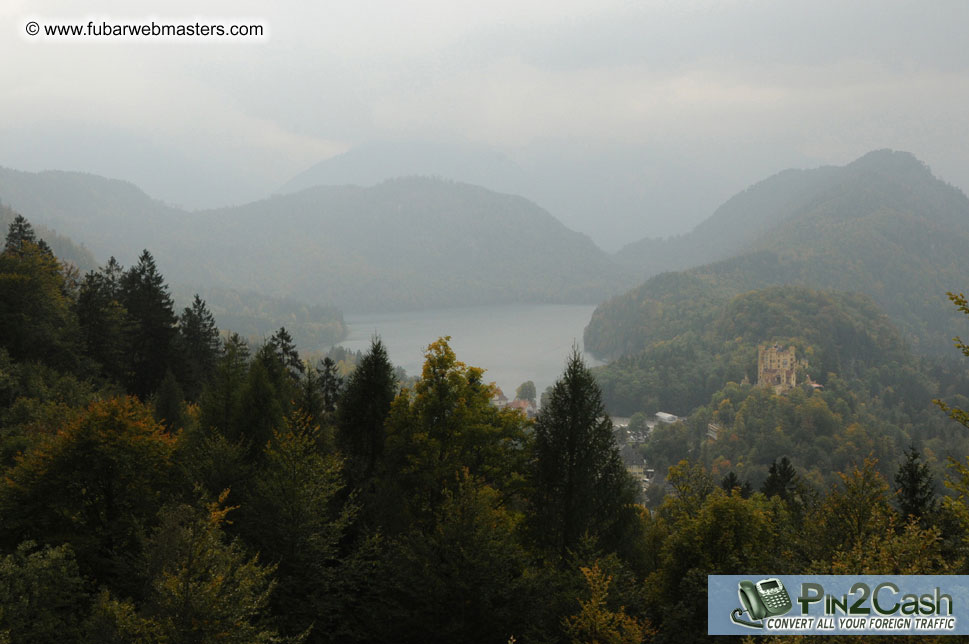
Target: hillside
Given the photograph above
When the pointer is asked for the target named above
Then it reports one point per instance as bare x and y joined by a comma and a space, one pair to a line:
874, 398
407, 244
404, 244
883, 226
837, 333
740, 221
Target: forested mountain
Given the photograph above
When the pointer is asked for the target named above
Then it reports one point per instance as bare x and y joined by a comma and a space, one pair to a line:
702, 348
882, 178
404, 244
882, 225
418, 242
741, 220
861, 390
849, 265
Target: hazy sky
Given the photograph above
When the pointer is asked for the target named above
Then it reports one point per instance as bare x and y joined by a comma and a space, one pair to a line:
679, 104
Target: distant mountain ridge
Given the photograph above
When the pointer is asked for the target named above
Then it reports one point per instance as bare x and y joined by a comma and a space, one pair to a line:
736, 223
108, 216
882, 225
373, 163
404, 244
409, 244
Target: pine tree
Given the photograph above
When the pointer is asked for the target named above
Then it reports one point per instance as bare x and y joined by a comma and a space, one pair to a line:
37, 321
113, 271
915, 486
283, 347
199, 337
294, 514
221, 399
731, 481
309, 396
781, 480
362, 410
151, 329
260, 411
103, 320
331, 384
19, 234
580, 484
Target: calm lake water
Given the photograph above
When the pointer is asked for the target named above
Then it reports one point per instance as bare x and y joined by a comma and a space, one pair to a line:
514, 343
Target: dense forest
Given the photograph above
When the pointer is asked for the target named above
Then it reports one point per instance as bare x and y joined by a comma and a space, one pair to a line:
825, 252
163, 482
882, 226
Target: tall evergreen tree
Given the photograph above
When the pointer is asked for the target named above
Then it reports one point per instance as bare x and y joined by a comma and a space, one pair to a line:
103, 320
151, 327
580, 484
199, 337
260, 411
283, 347
731, 481
781, 480
915, 486
362, 411
294, 514
331, 384
309, 396
37, 321
19, 234
220, 400
113, 271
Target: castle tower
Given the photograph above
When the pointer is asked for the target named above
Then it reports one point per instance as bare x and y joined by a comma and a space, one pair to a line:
776, 367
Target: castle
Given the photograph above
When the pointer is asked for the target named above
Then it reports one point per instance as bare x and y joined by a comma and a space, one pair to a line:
777, 367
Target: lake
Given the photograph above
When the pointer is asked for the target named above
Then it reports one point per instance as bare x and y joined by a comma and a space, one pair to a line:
514, 343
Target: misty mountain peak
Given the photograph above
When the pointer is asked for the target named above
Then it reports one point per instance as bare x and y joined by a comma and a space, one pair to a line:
890, 162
